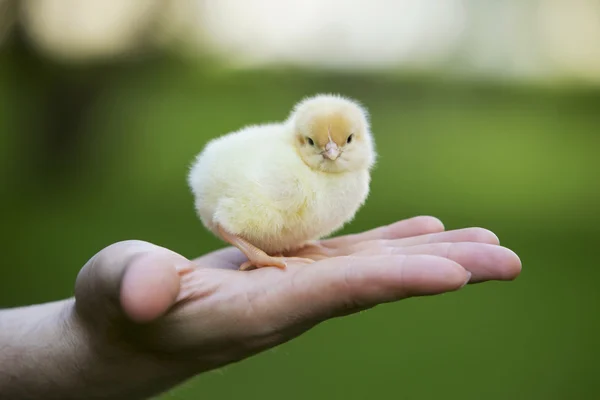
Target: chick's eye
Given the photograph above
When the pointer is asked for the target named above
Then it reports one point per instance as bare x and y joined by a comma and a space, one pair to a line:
349, 140
310, 141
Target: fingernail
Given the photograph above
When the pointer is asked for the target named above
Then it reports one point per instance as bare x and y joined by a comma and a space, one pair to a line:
467, 281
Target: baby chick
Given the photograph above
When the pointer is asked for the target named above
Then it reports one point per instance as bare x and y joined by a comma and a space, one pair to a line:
272, 188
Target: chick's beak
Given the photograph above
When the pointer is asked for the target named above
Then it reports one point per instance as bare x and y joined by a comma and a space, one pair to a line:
332, 151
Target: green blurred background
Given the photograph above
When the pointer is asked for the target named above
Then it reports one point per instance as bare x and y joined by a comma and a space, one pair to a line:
104, 104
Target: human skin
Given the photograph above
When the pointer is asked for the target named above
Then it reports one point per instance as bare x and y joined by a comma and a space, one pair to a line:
144, 318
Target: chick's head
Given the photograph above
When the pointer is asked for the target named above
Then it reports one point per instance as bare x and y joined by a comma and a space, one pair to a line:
332, 134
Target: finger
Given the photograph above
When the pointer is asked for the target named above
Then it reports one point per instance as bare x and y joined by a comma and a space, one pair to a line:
134, 279
405, 228
346, 284
231, 258
475, 235
485, 261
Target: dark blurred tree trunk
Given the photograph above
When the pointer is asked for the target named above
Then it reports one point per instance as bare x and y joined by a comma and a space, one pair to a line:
52, 134
56, 100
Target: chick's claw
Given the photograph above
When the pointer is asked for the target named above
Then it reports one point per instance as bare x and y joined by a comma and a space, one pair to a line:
268, 261
262, 262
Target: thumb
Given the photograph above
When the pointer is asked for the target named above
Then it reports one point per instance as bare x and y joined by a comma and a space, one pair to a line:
132, 280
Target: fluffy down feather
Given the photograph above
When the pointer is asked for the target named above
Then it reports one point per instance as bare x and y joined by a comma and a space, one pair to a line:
272, 186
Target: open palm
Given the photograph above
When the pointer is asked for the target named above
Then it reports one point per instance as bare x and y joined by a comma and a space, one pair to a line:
205, 313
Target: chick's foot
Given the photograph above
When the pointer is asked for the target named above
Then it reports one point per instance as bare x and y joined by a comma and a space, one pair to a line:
268, 261
256, 257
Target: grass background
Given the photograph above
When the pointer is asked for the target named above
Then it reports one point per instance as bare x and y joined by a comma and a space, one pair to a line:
521, 161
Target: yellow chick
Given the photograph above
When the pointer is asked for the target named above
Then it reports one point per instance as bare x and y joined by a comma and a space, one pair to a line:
272, 188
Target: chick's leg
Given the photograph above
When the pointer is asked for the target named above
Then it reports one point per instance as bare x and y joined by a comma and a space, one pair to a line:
269, 262
256, 257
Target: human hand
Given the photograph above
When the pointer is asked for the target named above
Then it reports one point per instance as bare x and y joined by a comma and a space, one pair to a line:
202, 314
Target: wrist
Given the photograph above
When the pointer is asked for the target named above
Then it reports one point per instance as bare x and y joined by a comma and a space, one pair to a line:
115, 366
48, 351
37, 350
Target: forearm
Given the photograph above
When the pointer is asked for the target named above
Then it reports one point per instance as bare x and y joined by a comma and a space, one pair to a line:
46, 352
